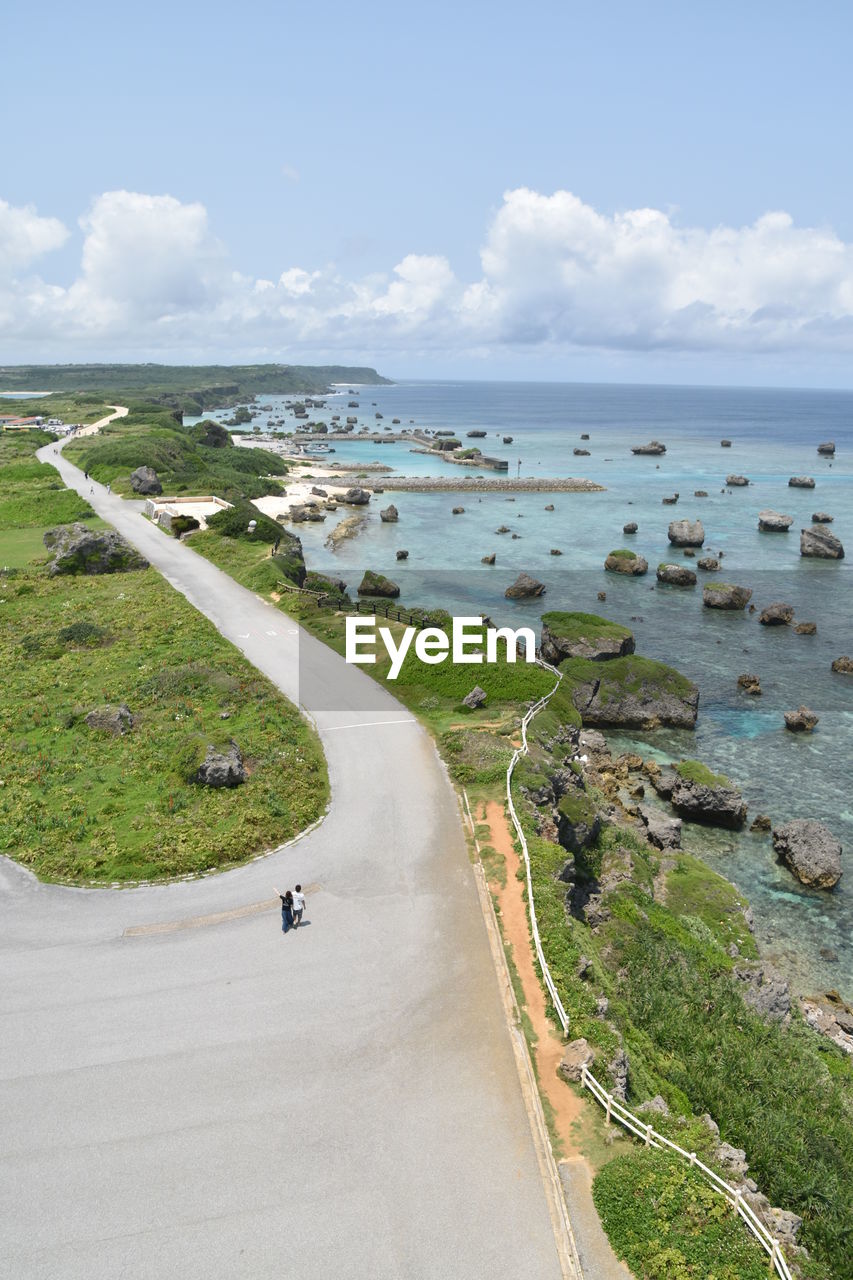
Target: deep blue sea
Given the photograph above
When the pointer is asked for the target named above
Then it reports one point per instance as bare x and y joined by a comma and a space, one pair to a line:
774, 435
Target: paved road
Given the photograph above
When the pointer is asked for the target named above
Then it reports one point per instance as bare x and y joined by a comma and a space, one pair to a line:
214, 1099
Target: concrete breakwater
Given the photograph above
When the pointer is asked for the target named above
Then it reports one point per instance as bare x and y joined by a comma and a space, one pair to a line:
484, 484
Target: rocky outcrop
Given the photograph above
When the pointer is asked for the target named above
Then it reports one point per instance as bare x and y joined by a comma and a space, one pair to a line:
725, 595
750, 684
822, 517
389, 515
355, 497
709, 799
630, 527
524, 588
676, 575
578, 1054
803, 720
145, 480
820, 544
777, 614
581, 453
843, 666
653, 448
774, 522
827, 448
806, 629
663, 831
489, 559
686, 533
115, 720
76, 549
376, 584
303, 512
632, 692
737, 482
710, 564
402, 555
458, 511
222, 768
725, 444
626, 562
476, 698
765, 991
578, 820
581, 635
801, 482
809, 850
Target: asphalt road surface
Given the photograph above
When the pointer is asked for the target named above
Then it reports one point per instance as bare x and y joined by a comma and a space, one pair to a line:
184, 1090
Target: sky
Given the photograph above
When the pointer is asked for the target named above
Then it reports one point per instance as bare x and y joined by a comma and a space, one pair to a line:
608, 191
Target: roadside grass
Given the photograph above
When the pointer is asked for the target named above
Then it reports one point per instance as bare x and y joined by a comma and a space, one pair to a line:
79, 804
32, 500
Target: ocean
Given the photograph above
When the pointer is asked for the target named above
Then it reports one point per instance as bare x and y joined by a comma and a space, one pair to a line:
774, 433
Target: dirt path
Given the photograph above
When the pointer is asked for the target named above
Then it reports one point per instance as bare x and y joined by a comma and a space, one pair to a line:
566, 1106
568, 1111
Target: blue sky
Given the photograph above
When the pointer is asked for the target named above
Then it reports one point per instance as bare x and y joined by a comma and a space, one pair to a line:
342, 141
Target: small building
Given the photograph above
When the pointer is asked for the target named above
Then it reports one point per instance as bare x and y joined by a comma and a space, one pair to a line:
162, 511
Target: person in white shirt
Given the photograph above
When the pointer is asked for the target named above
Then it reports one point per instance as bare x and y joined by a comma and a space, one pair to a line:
298, 905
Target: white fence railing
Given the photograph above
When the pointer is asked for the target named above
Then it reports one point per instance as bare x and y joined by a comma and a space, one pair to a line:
534, 927
616, 1111
613, 1107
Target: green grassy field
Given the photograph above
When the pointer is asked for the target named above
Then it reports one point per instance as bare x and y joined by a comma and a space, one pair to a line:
80, 804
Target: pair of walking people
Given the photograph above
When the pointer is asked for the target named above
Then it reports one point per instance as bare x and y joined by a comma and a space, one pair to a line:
292, 907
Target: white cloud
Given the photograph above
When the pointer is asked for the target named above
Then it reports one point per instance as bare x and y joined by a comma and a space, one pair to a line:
25, 236
556, 276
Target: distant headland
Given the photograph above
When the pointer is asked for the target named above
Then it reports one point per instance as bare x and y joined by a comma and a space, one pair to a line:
191, 388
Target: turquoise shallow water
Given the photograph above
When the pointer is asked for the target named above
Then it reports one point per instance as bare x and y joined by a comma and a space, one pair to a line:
775, 435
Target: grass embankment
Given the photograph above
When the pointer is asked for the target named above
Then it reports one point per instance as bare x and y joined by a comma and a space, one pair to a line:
78, 803
197, 460
662, 958
586, 628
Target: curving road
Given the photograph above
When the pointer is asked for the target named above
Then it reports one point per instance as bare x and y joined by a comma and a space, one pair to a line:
186, 1091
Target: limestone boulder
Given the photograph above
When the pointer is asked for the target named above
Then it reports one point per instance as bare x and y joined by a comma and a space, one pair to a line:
676, 575
810, 851
376, 584
525, 587
145, 480
774, 522
726, 595
222, 768
818, 543
75, 549
686, 533
803, 720
627, 563
777, 614
115, 720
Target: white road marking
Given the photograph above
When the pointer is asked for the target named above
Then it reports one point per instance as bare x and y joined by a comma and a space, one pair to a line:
272, 633
366, 724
